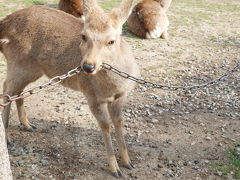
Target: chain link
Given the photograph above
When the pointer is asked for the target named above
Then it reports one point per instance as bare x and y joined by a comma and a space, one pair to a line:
57, 79
166, 87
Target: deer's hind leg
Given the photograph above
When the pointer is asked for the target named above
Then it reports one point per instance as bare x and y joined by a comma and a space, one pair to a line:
18, 77
115, 110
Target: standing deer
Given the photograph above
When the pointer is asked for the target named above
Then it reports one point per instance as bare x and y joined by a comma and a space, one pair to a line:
39, 40
149, 19
74, 7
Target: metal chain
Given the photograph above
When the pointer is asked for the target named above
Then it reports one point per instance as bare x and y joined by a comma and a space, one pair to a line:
55, 80
166, 87
77, 70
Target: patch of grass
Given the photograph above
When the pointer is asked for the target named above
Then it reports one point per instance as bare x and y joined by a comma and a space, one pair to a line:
13, 5
224, 40
232, 166
196, 17
208, 5
148, 68
225, 7
196, 12
27, 3
7, 9
192, 3
108, 5
176, 54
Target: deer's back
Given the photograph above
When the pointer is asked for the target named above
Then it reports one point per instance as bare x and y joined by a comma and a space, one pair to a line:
42, 35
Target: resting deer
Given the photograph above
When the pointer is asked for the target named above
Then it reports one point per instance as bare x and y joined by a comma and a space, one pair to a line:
39, 40
73, 7
149, 19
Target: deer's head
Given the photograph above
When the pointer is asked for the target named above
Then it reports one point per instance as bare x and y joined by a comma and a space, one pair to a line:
101, 33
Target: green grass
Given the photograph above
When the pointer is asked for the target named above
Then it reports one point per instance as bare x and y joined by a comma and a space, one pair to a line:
208, 5
108, 5
197, 12
27, 3
232, 166
14, 5
152, 68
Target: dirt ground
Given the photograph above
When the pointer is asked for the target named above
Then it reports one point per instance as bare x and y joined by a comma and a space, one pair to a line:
170, 134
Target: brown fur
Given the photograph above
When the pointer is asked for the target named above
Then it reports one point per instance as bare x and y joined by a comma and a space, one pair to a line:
165, 4
73, 7
47, 41
146, 15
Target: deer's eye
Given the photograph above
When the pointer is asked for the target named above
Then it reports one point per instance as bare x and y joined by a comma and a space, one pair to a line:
84, 38
111, 42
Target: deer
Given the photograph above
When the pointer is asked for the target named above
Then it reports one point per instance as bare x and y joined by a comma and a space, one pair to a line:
149, 19
39, 41
73, 7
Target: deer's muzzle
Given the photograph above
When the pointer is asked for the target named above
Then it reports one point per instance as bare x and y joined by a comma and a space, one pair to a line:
88, 68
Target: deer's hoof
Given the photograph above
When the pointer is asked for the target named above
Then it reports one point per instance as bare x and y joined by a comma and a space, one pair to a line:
128, 166
30, 127
117, 174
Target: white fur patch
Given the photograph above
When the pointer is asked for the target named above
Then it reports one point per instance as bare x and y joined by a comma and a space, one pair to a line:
4, 41
156, 33
83, 18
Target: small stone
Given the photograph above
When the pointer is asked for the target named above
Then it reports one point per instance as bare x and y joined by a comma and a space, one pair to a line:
193, 143
190, 132
196, 161
219, 173
208, 138
195, 167
206, 161
222, 129
238, 148
79, 108
33, 166
44, 162
128, 110
155, 121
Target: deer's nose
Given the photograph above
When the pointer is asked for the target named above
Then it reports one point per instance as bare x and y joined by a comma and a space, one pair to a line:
89, 68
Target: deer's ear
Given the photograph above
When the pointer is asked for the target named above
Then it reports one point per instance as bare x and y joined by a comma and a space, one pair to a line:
165, 4
122, 12
89, 7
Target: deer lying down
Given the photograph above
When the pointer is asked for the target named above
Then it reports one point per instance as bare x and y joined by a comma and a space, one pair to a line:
149, 19
73, 7
39, 40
